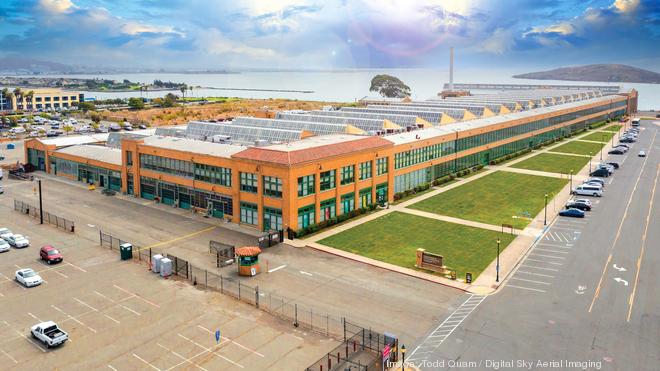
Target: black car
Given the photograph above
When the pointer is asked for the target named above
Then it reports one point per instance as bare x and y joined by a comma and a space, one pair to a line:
615, 151
623, 145
575, 213
614, 164
603, 173
578, 205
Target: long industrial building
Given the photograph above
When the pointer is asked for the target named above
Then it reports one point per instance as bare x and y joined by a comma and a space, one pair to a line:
301, 168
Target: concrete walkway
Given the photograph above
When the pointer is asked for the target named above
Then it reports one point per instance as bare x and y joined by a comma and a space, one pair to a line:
509, 258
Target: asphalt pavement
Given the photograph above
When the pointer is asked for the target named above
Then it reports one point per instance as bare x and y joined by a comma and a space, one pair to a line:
584, 297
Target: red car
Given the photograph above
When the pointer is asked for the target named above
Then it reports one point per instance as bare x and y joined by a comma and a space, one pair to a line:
50, 254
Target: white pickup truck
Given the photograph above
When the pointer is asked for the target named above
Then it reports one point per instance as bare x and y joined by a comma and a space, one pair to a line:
49, 334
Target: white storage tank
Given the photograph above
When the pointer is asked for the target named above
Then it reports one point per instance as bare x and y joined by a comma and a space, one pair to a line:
155, 263
165, 267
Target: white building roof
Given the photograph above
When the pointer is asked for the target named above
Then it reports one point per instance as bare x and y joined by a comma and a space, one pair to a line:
75, 139
315, 141
194, 146
94, 152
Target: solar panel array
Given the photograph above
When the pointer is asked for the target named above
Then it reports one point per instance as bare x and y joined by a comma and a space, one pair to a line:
240, 134
401, 120
318, 128
432, 117
455, 113
494, 107
360, 123
476, 110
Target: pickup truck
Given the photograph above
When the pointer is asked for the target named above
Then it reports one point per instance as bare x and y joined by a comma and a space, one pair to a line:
49, 334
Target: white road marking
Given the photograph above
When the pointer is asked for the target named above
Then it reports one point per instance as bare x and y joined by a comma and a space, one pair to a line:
525, 288
543, 261
72, 318
146, 362
182, 357
532, 281
545, 269
548, 256
85, 304
277, 269
553, 251
8, 356
212, 352
137, 295
536, 274
33, 316
130, 310
75, 266
232, 341
31, 342
112, 368
305, 273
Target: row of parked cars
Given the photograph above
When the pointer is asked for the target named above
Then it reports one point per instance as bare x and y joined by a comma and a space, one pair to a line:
628, 137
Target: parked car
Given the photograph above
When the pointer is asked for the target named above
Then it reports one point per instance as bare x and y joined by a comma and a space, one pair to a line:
574, 213
610, 169
624, 149
49, 334
18, 241
585, 201
2, 190
142, 127
50, 255
28, 277
578, 205
588, 190
623, 145
4, 246
604, 173
642, 153
4, 233
613, 164
616, 151
596, 180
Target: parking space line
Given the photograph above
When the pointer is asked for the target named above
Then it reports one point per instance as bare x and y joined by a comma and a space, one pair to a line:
536, 274
112, 368
557, 246
532, 281
8, 356
146, 362
30, 340
72, 318
85, 304
75, 266
232, 341
543, 261
179, 238
209, 350
137, 295
33, 316
545, 269
548, 256
525, 288
556, 252
130, 310
182, 357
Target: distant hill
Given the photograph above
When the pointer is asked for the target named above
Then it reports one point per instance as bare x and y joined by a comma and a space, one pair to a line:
596, 72
21, 65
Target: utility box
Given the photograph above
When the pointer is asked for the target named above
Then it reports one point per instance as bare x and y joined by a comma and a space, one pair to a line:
155, 263
126, 251
165, 267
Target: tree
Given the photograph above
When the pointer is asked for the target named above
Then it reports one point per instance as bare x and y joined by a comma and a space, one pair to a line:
389, 86
96, 118
136, 103
86, 106
28, 96
7, 95
18, 94
191, 90
183, 89
67, 128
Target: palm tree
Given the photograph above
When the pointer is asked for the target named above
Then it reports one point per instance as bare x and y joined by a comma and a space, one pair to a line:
183, 89
28, 96
191, 89
18, 94
7, 96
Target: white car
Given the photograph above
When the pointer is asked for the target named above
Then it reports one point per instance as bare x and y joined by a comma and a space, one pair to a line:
642, 154
4, 246
585, 201
28, 277
5, 233
18, 240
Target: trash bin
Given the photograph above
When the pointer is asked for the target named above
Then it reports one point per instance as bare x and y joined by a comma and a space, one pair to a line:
165, 267
126, 251
155, 263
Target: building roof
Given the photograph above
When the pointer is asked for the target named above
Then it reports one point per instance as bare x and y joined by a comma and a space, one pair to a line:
312, 149
94, 152
75, 139
453, 128
193, 146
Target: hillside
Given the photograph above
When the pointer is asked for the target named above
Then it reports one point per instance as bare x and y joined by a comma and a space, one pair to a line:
596, 72
20, 65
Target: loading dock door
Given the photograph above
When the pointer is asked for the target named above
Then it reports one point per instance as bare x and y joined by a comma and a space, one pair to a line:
184, 201
215, 209
168, 196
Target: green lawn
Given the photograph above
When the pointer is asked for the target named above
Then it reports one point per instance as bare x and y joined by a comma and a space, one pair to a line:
394, 238
553, 163
613, 128
579, 148
599, 136
497, 198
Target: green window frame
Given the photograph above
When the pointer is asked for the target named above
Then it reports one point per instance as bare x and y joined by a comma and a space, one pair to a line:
328, 209
213, 174
249, 182
249, 213
365, 170
306, 216
272, 219
365, 197
272, 186
381, 165
327, 180
306, 185
347, 203
347, 174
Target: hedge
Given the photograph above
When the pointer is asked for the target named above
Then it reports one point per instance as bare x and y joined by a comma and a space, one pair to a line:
334, 220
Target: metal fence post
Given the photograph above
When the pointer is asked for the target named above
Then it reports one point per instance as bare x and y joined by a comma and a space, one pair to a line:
295, 323
256, 296
206, 278
239, 290
222, 285
311, 318
327, 325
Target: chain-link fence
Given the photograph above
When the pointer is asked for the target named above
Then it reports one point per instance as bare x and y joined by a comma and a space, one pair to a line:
49, 218
139, 253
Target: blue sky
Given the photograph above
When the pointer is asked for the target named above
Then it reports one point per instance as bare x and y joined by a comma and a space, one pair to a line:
323, 34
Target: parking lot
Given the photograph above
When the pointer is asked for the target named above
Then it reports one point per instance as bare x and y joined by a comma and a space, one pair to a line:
130, 318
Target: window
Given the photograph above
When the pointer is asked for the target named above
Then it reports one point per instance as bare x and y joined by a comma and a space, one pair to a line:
249, 213
365, 170
213, 174
56, 99
167, 165
65, 98
347, 174
73, 97
381, 193
129, 158
327, 180
328, 209
306, 185
249, 182
381, 165
306, 216
272, 219
347, 203
365, 197
272, 186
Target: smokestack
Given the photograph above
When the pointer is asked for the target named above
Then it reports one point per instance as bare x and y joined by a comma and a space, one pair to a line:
451, 69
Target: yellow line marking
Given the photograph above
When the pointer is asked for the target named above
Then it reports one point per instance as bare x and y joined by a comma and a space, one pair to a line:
641, 253
618, 232
179, 238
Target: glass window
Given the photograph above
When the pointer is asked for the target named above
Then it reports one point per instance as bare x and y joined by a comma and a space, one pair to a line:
306, 185
213, 174
272, 186
328, 209
249, 213
347, 203
365, 170
306, 216
272, 219
347, 174
365, 197
249, 182
327, 180
381, 165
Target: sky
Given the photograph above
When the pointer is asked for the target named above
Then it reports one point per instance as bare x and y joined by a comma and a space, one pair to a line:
331, 34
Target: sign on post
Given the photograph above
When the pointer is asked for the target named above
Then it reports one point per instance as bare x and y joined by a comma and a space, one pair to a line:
468, 277
217, 336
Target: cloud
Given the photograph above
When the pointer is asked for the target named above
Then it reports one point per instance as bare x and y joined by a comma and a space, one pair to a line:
57, 6
626, 6
216, 44
499, 42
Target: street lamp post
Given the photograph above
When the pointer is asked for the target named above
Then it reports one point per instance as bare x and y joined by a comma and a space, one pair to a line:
571, 180
497, 266
590, 156
41, 205
545, 211
403, 357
